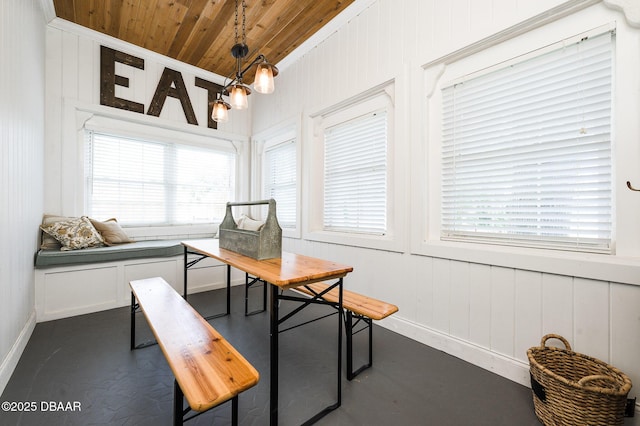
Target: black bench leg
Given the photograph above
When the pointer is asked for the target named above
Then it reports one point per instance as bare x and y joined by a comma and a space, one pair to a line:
348, 325
134, 310
350, 333
178, 412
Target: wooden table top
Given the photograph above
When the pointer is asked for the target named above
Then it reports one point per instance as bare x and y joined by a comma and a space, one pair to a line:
290, 270
208, 369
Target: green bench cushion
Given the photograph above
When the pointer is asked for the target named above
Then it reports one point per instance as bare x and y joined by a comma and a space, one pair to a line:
137, 250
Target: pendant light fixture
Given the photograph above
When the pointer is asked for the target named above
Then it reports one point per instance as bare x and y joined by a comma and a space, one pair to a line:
236, 90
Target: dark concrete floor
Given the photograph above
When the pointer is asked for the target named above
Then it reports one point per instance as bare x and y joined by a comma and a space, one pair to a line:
86, 361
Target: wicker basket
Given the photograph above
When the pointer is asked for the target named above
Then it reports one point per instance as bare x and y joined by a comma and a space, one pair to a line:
570, 388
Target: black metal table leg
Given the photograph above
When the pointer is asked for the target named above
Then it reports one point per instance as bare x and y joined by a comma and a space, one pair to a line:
348, 325
228, 289
273, 351
249, 282
188, 264
133, 321
186, 267
234, 411
338, 403
340, 314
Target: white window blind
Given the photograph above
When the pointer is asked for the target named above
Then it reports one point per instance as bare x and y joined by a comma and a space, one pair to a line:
280, 181
355, 175
527, 151
152, 183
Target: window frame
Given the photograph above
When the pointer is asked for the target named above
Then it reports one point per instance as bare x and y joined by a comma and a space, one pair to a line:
288, 130
349, 121
518, 237
170, 174
107, 120
424, 215
379, 97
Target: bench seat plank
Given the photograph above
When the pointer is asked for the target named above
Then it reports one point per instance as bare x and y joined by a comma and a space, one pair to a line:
207, 368
354, 302
356, 305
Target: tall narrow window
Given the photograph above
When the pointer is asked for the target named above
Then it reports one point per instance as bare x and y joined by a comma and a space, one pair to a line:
280, 181
527, 151
153, 183
355, 175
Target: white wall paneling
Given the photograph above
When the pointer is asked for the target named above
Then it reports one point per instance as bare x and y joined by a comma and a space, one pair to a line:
22, 85
557, 306
73, 81
591, 318
480, 305
485, 304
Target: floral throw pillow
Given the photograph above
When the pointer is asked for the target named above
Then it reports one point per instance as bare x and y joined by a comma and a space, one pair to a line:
48, 242
75, 233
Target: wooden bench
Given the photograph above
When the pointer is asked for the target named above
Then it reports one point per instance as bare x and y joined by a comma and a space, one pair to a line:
362, 308
208, 370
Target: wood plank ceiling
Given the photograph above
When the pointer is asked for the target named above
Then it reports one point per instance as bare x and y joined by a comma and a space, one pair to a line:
201, 32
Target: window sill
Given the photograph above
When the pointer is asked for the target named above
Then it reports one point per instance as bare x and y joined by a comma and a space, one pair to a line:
601, 267
375, 242
140, 233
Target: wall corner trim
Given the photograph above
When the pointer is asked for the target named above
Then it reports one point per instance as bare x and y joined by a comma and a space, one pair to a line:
630, 9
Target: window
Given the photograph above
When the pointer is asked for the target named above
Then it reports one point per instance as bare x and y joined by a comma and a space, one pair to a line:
355, 174
526, 155
154, 183
280, 181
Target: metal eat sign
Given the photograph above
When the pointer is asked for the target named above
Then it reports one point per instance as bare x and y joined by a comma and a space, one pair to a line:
170, 84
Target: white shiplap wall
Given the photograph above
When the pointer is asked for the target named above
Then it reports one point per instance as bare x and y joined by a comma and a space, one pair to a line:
485, 305
476, 306
22, 54
73, 84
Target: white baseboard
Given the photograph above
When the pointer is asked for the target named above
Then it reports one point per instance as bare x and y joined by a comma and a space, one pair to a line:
501, 365
509, 368
72, 312
11, 361
212, 286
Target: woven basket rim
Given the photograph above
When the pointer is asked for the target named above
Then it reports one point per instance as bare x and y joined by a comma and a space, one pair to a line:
622, 390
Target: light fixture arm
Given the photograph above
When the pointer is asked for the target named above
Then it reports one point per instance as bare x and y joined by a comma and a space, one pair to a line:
236, 89
240, 74
258, 58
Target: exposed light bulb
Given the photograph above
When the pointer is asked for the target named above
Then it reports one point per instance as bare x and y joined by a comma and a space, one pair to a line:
264, 79
238, 97
220, 111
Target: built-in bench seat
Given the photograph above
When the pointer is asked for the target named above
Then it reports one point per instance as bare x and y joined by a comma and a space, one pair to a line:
136, 250
77, 282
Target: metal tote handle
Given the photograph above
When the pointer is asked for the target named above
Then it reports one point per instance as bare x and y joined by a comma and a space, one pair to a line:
249, 203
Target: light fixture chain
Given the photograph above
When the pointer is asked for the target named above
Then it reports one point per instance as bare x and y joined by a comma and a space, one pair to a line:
236, 89
235, 23
244, 20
